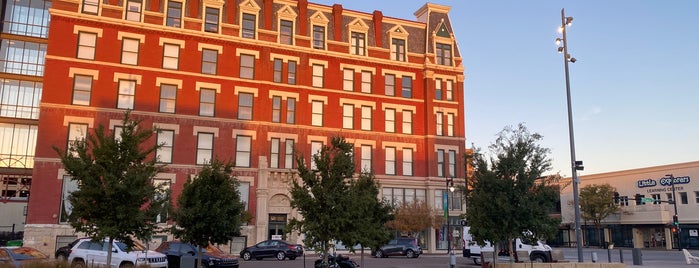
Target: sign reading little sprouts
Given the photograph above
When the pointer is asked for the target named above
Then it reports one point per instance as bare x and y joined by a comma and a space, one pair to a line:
666, 181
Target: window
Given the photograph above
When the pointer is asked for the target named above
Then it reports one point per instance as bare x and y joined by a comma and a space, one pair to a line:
76, 133
243, 146
318, 37
450, 90
20, 57
318, 75
291, 70
316, 146
82, 89
390, 120
118, 130
390, 84
133, 10
440, 124
358, 44
696, 196
171, 56
289, 153
290, 110
90, 7
407, 162
69, 186
174, 14
366, 82
276, 109
168, 97
207, 101
398, 49
127, 93
20, 99
683, 198
129, 51
390, 161
211, 20
27, 17
440, 163
348, 79
248, 26
407, 87
274, 144
347, 116
450, 125
443, 54
209, 61
165, 139
366, 117
277, 72
244, 190
438, 89
205, 148
317, 113
245, 106
453, 199
407, 122
247, 66
286, 32
86, 45
163, 186
365, 163
452, 163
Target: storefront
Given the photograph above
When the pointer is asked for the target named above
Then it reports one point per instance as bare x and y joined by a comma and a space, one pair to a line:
649, 199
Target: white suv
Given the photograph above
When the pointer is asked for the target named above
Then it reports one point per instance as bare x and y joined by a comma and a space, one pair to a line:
88, 253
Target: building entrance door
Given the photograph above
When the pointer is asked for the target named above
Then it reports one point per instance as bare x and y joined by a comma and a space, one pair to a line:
277, 222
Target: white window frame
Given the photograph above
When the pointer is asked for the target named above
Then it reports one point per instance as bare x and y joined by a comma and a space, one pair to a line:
82, 89
366, 81
133, 10
274, 154
348, 79
390, 115
289, 153
318, 75
243, 151
439, 123
366, 118
407, 161
207, 102
450, 124
348, 116
166, 139
245, 109
247, 66
87, 44
366, 161
317, 113
205, 147
390, 161
126, 94
407, 121
171, 56
168, 98
129, 51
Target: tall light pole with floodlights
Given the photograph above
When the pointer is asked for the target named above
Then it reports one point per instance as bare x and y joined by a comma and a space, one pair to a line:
575, 165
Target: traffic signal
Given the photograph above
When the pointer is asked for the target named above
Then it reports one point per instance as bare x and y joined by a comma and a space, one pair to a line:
616, 197
675, 221
638, 198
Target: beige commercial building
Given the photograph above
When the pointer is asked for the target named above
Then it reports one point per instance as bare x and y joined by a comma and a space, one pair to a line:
647, 223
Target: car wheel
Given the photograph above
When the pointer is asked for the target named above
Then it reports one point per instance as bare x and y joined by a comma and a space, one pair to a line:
379, 254
410, 254
247, 256
126, 265
61, 257
538, 258
476, 261
281, 255
77, 264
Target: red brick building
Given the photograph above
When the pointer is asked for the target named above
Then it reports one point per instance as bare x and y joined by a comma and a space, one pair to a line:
254, 82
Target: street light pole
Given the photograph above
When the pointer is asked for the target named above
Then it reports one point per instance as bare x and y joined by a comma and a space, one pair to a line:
449, 188
575, 165
674, 204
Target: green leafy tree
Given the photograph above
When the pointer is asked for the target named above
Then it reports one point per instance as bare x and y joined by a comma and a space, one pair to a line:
509, 197
596, 204
370, 215
209, 210
116, 197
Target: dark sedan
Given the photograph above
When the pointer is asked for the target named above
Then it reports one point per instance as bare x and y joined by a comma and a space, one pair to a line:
211, 256
20, 256
272, 249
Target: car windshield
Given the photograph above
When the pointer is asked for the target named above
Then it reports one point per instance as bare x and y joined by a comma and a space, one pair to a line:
136, 246
25, 253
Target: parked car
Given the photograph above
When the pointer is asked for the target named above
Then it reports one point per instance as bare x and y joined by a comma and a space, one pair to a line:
272, 249
399, 247
86, 251
20, 256
63, 252
211, 256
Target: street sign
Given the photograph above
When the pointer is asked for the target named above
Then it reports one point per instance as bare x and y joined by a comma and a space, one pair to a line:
647, 200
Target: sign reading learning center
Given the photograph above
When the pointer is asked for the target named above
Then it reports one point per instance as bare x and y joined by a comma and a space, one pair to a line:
666, 182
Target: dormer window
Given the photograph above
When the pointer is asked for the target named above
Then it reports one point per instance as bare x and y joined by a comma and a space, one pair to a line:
133, 10
211, 20
319, 37
399, 43
443, 54
249, 26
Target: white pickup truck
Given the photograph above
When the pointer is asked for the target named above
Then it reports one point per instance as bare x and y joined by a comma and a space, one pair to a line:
537, 253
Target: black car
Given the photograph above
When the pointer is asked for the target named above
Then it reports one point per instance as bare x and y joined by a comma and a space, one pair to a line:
211, 256
272, 249
400, 247
63, 252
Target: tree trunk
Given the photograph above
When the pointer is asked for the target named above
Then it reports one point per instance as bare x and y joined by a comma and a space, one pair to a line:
110, 249
199, 257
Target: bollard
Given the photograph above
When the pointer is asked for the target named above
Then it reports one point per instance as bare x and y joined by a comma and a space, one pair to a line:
621, 256
452, 260
594, 256
637, 256
609, 255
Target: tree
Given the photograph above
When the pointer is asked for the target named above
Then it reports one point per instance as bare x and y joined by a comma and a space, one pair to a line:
414, 217
323, 196
116, 197
209, 210
509, 197
596, 203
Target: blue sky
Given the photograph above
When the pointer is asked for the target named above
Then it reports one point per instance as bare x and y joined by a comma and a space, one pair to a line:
635, 85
